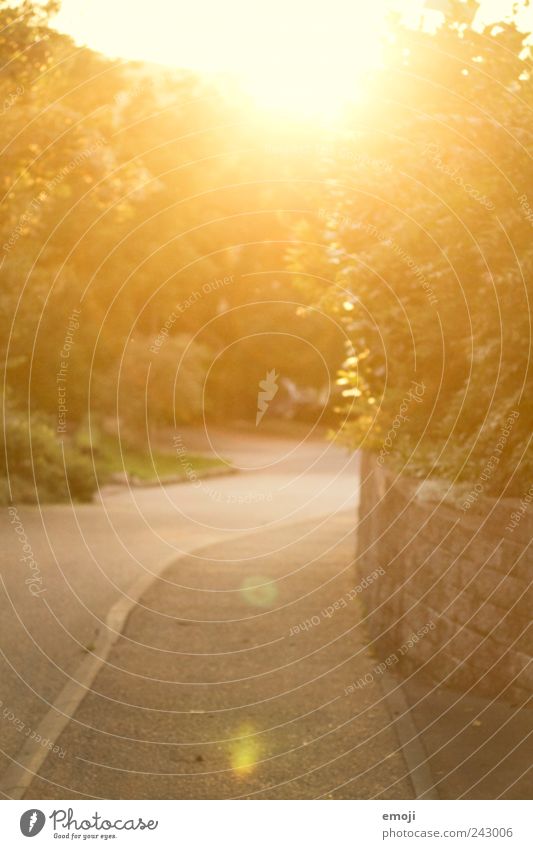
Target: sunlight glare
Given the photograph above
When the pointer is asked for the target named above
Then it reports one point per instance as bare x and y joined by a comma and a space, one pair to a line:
245, 751
296, 57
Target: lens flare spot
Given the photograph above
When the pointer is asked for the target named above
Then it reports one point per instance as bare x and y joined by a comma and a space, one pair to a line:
259, 591
245, 752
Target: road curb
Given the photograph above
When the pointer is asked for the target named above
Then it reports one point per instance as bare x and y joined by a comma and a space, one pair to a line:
413, 750
28, 760
134, 482
19, 775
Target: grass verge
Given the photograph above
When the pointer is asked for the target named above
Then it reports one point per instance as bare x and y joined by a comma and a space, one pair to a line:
113, 458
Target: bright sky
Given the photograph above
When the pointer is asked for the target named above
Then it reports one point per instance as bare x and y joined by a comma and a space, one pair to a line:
229, 34
293, 52
219, 34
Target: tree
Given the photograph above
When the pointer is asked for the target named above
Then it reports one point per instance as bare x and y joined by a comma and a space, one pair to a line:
429, 252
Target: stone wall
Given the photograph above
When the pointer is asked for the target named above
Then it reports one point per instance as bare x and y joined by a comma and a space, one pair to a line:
455, 599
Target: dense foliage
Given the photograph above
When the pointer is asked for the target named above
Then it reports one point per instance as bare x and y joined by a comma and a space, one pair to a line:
427, 242
163, 247
141, 218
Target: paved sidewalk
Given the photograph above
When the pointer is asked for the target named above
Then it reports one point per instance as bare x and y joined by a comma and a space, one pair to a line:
91, 555
230, 681
477, 748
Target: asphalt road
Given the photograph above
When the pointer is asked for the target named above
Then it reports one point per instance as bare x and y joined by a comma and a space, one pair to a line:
88, 556
233, 675
234, 678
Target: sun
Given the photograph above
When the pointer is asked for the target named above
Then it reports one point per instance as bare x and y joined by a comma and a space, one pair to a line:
313, 58
314, 71
295, 57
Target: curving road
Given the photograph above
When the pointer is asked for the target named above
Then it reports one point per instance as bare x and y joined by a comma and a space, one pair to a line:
212, 682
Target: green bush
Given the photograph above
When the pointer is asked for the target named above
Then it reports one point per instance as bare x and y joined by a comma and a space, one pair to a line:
162, 385
36, 466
